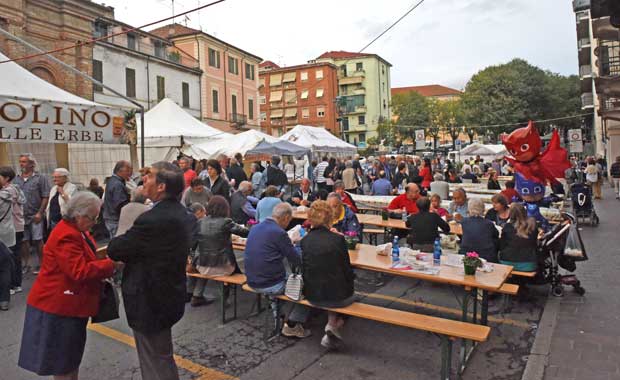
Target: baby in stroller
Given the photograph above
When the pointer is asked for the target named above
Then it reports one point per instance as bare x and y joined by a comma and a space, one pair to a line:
583, 206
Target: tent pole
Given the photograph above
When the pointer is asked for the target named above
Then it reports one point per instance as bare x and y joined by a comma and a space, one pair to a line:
142, 137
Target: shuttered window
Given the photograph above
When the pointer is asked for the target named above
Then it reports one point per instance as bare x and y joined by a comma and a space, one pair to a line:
130, 82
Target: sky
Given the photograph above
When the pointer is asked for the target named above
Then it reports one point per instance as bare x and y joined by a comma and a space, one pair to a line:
441, 42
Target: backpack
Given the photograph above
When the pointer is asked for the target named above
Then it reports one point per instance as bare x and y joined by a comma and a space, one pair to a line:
276, 177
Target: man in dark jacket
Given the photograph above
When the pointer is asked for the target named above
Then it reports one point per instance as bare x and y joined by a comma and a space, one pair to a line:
275, 175
241, 208
235, 172
116, 195
155, 253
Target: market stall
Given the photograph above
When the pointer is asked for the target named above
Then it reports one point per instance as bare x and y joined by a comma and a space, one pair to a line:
319, 141
228, 146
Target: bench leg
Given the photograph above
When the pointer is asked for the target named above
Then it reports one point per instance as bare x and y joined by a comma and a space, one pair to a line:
274, 318
235, 301
446, 357
222, 303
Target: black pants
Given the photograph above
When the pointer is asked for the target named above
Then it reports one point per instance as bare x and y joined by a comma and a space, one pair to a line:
6, 269
16, 278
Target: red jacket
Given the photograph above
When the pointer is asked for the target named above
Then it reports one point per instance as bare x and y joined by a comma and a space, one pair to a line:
69, 283
427, 178
401, 201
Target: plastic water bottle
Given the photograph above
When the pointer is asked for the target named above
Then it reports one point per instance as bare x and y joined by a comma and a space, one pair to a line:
302, 232
400, 188
395, 251
404, 214
437, 252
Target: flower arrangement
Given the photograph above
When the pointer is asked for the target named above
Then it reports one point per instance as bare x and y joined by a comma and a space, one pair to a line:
385, 213
471, 261
351, 238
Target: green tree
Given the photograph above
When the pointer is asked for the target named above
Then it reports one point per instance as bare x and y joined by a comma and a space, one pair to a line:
564, 93
412, 112
447, 115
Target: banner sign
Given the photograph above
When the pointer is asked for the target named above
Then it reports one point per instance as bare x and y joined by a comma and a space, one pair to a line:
34, 121
420, 140
575, 139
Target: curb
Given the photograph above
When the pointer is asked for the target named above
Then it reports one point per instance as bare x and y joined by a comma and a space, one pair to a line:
537, 359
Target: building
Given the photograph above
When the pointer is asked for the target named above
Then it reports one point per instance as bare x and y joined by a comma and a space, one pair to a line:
302, 94
144, 67
229, 82
364, 93
587, 44
605, 28
434, 91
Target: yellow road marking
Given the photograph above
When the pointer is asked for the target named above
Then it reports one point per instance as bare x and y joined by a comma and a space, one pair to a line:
443, 309
203, 372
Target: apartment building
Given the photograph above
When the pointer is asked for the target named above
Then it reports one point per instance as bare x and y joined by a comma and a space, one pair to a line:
434, 91
229, 82
364, 93
144, 67
605, 28
303, 94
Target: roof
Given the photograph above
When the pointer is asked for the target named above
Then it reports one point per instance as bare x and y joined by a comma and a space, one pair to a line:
278, 69
268, 64
341, 54
179, 30
428, 90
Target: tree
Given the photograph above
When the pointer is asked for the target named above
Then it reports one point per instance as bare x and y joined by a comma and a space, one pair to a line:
387, 133
412, 112
447, 115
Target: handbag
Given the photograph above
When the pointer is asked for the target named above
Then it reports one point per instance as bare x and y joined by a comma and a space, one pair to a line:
294, 287
108, 304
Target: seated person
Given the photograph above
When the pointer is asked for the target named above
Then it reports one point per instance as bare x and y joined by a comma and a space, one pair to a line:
346, 197
267, 246
510, 193
196, 193
381, 186
518, 245
469, 175
327, 272
303, 196
479, 234
264, 208
453, 177
493, 182
401, 177
436, 206
345, 220
499, 214
458, 207
241, 207
423, 226
198, 210
440, 187
215, 252
406, 200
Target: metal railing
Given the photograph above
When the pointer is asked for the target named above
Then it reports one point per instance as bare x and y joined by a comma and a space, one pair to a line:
583, 42
610, 67
585, 70
237, 118
587, 100
610, 104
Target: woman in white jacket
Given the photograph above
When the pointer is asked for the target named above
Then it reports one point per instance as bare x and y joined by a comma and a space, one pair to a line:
60, 194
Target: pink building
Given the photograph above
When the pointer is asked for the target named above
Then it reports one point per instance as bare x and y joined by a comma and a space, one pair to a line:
229, 83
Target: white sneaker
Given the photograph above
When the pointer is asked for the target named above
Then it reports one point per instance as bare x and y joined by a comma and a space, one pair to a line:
330, 342
12, 292
18, 289
333, 331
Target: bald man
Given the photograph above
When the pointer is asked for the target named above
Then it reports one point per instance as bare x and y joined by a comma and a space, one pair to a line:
406, 200
304, 195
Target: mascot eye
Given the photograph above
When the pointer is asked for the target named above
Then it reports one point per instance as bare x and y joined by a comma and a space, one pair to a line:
525, 191
537, 189
513, 152
525, 147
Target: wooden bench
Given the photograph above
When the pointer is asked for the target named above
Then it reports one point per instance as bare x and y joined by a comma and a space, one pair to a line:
509, 289
448, 330
236, 279
523, 274
373, 233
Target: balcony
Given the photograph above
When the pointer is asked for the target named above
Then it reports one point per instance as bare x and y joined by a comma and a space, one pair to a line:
581, 5
610, 104
609, 67
237, 119
354, 110
583, 43
587, 100
585, 71
359, 91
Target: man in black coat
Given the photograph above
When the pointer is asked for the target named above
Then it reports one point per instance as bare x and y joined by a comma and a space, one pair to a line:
155, 253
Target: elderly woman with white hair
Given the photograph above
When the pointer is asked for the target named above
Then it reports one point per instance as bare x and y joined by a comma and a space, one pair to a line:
479, 234
60, 194
65, 293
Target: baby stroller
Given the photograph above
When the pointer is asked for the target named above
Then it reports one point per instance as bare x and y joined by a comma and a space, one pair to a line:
561, 247
581, 196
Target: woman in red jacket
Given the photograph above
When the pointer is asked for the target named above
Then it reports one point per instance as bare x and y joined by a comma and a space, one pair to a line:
65, 293
425, 173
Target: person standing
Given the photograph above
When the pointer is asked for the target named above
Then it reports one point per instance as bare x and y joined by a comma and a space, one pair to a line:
196, 193
235, 173
256, 179
132, 210
614, 172
60, 194
349, 178
189, 174
7, 174
116, 195
36, 188
318, 174
592, 177
215, 181
155, 251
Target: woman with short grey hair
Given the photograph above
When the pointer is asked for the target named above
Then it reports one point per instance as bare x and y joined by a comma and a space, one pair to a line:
65, 293
479, 234
60, 194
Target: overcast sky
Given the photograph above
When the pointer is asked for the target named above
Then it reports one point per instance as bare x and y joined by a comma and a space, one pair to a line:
442, 41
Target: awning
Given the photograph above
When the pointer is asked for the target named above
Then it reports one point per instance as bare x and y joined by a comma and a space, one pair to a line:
350, 80
290, 112
275, 96
290, 96
281, 148
261, 82
289, 77
275, 80
305, 112
319, 92
304, 94
276, 114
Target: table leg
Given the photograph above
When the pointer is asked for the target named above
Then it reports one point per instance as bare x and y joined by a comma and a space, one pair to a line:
464, 317
475, 298
484, 309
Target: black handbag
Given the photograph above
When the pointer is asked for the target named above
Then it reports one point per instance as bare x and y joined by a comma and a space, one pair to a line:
108, 304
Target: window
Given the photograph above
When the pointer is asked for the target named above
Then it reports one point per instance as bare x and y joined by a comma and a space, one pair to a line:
319, 92
185, 91
320, 111
216, 101
233, 101
290, 97
263, 116
161, 88
97, 74
130, 82
343, 70
160, 49
304, 75
319, 74
345, 123
233, 65
101, 29
250, 109
261, 82
383, 86
262, 100
131, 41
359, 66
304, 94
305, 113
249, 71
382, 69
362, 137
214, 58
384, 104
361, 120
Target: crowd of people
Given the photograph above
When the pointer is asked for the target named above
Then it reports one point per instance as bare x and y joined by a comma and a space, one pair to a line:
181, 216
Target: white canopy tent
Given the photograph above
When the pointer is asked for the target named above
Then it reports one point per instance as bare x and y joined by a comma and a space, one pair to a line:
169, 129
488, 152
229, 146
318, 140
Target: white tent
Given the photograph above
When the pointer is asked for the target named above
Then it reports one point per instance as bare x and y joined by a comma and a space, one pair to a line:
318, 140
488, 152
228, 146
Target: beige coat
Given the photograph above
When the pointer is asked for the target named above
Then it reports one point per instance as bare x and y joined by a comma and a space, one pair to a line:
68, 189
348, 177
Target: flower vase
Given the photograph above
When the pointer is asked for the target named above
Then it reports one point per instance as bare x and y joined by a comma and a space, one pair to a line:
470, 270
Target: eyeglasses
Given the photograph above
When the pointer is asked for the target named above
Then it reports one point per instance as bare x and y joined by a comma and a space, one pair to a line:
91, 218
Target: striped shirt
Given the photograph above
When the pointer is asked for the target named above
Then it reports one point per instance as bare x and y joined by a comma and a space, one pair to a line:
319, 171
